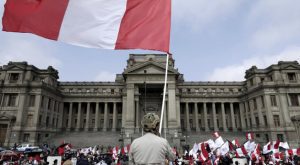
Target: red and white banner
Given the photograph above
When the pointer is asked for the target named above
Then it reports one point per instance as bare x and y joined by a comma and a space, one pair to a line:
241, 152
216, 134
107, 24
204, 154
249, 136
236, 143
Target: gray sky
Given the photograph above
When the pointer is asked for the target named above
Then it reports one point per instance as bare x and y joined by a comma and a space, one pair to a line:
210, 41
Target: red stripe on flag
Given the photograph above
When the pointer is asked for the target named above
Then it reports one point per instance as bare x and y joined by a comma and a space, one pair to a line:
145, 25
40, 17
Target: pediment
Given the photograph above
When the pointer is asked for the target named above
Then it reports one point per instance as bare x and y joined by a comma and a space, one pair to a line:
291, 67
150, 68
15, 67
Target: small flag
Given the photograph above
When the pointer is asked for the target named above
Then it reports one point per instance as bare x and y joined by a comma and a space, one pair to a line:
249, 136
216, 134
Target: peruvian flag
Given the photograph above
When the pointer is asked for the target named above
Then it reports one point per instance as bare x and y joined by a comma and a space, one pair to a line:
107, 24
276, 146
115, 152
127, 148
241, 152
236, 142
216, 134
204, 154
249, 136
267, 148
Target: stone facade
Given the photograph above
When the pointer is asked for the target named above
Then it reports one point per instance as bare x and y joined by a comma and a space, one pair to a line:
35, 106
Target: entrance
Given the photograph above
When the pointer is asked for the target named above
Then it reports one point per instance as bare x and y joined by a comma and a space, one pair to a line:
150, 99
3, 130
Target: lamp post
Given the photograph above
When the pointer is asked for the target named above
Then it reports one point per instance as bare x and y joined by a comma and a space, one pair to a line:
121, 140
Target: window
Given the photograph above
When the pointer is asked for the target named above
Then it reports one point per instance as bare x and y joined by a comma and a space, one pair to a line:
291, 76
267, 137
10, 100
119, 110
42, 101
265, 121
14, 77
273, 100
251, 82
47, 121
26, 137
191, 123
276, 120
294, 99
280, 137
40, 120
181, 111
262, 102
29, 120
31, 100
256, 120
255, 103
49, 103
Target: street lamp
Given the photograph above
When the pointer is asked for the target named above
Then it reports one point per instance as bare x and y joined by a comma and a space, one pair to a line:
121, 140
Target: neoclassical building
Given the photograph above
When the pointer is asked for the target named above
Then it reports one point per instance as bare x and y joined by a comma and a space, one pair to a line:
35, 106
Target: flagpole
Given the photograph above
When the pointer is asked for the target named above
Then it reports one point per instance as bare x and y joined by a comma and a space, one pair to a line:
164, 94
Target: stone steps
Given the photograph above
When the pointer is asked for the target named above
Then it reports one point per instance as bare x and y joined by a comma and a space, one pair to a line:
87, 139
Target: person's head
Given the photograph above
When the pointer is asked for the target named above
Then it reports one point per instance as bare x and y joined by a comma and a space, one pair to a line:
150, 123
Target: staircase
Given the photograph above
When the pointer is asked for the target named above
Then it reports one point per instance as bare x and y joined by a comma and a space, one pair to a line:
86, 139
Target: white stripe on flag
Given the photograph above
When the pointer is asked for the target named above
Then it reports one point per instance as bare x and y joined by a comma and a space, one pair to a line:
92, 23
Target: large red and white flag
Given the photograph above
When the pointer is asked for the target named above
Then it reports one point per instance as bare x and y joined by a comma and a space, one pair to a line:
107, 24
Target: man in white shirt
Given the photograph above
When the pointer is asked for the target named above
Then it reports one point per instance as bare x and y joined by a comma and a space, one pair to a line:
150, 148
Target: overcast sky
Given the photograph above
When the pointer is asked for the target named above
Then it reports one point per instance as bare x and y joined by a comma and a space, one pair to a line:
210, 41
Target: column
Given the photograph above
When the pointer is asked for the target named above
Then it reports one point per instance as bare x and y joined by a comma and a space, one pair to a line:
70, 117
115, 117
178, 112
78, 117
242, 116
130, 108
187, 117
96, 126
205, 117
232, 118
269, 111
215, 117
196, 117
52, 103
37, 110
21, 111
172, 115
88, 111
284, 109
137, 116
224, 118
260, 115
105, 117
252, 114
60, 116
246, 103
165, 120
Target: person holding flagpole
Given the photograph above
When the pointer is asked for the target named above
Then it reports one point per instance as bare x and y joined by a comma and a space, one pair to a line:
150, 148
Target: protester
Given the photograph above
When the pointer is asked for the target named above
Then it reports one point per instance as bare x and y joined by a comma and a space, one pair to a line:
150, 148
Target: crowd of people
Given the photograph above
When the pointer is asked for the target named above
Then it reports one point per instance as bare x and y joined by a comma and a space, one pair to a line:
153, 149
213, 151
